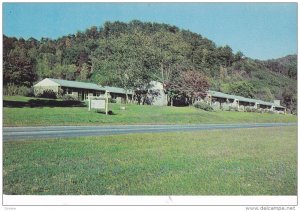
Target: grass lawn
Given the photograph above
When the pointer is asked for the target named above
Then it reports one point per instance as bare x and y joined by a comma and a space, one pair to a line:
22, 111
260, 161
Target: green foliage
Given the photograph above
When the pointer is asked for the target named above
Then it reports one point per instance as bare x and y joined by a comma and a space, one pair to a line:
19, 68
286, 65
289, 97
84, 73
69, 98
66, 71
268, 111
265, 94
48, 93
250, 109
238, 56
27, 115
113, 100
188, 84
225, 56
203, 105
11, 90
130, 55
233, 108
116, 61
241, 88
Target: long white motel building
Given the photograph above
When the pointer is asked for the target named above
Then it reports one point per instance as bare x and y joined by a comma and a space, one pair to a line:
80, 90
217, 100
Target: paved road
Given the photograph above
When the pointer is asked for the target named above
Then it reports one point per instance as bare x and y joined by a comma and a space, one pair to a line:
23, 133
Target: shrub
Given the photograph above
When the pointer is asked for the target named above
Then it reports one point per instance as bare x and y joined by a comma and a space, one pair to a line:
112, 100
12, 89
69, 98
60, 93
48, 93
262, 110
270, 112
203, 106
250, 109
265, 110
25, 91
233, 108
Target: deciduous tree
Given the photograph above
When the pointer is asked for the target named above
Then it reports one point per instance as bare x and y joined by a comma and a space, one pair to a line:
190, 84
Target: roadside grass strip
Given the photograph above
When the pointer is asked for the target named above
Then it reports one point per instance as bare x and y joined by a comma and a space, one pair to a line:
133, 114
257, 161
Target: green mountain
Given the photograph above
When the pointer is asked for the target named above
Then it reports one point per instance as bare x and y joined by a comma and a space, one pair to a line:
132, 54
286, 65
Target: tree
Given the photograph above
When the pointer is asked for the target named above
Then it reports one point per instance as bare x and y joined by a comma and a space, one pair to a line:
289, 96
129, 55
238, 56
84, 73
19, 68
92, 33
123, 61
171, 51
191, 84
225, 56
241, 88
264, 94
65, 71
292, 72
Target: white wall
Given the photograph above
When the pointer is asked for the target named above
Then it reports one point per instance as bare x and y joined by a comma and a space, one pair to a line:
46, 82
161, 99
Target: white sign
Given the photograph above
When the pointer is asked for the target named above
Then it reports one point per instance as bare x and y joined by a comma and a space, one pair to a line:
101, 103
98, 104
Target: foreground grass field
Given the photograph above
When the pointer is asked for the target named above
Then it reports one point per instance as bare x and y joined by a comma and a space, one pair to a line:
261, 161
22, 111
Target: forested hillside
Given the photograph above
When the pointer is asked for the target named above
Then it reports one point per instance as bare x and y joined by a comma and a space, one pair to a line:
130, 55
286, 65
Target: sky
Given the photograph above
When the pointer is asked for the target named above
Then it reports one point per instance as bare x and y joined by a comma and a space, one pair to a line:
259, 30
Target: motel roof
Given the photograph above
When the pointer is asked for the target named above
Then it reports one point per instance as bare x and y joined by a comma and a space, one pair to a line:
242, 99
86, 85
117, 90
77, 84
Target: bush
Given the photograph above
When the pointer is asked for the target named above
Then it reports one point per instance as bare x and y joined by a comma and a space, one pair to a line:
60, 93
112, 100
258, 110
250, 109
269, 112
48, 93
12, 90
25, 91
203, 106
265, 110
69, 98
233, 108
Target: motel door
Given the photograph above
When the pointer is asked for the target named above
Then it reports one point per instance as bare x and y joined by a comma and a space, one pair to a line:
84, 95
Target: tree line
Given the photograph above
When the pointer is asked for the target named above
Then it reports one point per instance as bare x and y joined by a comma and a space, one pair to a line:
130, 55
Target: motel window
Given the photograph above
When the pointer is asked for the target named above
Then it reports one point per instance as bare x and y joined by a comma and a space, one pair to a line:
68, 91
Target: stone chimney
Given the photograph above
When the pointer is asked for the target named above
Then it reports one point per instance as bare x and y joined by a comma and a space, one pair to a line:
277, 102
